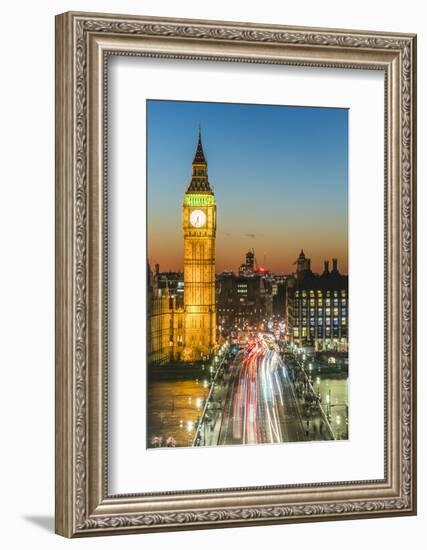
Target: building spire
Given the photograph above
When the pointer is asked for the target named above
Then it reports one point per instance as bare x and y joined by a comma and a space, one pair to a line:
199, 181
199, 157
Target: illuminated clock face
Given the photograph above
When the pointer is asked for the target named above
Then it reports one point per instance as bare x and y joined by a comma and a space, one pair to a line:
197, 218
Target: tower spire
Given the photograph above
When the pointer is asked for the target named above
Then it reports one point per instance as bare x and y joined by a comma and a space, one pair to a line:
199, 181
199, 157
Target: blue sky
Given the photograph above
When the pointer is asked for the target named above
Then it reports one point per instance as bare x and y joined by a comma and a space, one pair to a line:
280, 176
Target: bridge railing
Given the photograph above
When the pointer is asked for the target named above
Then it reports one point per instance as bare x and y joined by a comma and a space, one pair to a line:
202, 419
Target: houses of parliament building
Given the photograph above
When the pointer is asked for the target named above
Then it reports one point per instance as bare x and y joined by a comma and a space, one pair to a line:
181, 314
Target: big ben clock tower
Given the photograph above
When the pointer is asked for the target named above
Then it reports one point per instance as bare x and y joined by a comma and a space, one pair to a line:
199, 225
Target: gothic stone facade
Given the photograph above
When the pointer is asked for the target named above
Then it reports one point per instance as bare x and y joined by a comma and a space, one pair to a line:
187, 332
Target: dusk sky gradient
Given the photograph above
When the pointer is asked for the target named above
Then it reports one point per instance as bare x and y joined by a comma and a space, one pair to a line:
280, 177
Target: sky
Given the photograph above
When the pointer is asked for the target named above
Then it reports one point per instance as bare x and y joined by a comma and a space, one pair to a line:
279, 174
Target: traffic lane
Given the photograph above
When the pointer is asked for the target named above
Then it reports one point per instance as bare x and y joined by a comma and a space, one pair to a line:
290, 413
239, 423
227, 425
279, 409
261, 406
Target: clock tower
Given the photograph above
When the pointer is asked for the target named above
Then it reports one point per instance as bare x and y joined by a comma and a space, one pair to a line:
199, 225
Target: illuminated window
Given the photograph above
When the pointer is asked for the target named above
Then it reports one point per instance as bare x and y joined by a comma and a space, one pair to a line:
335, 321
297, 293
304, 331
311, 312
344, 311
311, 293
311, 303
304, 302
320, 312
296, 331
319, 301
328, 302
304, 293
328, 311
335, 311
335, 293
343, 321
335, 301
343, 302
343, 294
328, 321
320, 321
319, 293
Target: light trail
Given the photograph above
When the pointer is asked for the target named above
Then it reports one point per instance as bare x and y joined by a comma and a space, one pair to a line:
261, 405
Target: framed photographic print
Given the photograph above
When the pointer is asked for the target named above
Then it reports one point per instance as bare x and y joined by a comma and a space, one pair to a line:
235, 274
218, 333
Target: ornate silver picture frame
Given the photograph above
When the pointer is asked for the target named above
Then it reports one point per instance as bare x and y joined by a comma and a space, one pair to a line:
84, 505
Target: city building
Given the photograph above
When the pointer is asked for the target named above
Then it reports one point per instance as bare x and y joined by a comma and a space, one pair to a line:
248, 268
244, 300
278, 292
317, 307
181, 323
165, 316
199, 226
